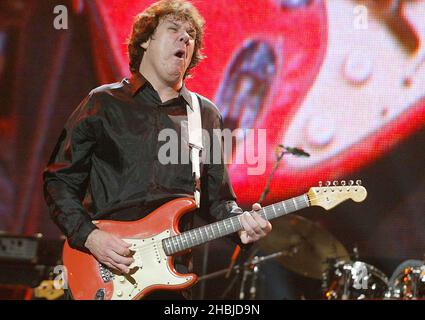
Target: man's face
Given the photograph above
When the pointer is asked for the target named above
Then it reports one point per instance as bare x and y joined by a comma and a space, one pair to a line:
170, 49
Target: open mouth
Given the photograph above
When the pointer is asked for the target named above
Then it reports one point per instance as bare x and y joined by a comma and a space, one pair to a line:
179, 54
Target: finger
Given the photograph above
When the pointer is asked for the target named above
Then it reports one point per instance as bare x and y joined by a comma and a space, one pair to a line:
120, 259
109, 265
254, 225
122, 268
256, 206
118, 266
108, 262
245, 238
269, 226
246, 226
118, 247
121, 242
261, 221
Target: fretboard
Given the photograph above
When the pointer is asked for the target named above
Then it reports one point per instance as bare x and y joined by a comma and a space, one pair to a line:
198, 236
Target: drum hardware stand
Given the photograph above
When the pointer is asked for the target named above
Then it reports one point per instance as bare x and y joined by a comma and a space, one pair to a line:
327, 292
356, 253
247, 269
251, 269
348, 275
345, 294
204, 269
416, 277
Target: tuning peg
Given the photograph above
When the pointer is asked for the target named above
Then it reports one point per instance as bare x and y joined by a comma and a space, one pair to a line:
343, 183
327, 185
359, 182
320, 184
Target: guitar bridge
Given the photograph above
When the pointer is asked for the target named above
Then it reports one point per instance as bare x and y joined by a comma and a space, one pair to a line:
105, 273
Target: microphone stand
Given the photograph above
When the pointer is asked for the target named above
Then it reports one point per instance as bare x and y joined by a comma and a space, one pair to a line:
281, 150
285, 150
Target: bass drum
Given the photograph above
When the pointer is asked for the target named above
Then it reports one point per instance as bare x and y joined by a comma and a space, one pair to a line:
408, 281
354, 281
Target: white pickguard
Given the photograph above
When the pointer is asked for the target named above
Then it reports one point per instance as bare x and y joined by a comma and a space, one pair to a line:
150, 268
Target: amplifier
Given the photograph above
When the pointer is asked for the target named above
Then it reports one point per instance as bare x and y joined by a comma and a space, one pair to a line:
18, 248
30, 249
27, 260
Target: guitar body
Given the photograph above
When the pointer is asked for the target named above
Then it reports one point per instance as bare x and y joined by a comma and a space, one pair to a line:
153, 269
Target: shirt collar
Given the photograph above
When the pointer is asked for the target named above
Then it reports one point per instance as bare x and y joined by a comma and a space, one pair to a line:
137, 81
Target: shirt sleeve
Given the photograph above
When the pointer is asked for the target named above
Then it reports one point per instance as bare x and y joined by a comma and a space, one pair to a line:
67, 174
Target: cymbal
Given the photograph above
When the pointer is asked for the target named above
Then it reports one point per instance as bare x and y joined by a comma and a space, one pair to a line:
308, 246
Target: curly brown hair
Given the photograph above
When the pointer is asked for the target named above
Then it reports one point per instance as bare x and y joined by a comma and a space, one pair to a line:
146, 22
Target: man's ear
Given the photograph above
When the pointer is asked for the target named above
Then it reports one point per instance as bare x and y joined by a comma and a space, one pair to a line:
145, 44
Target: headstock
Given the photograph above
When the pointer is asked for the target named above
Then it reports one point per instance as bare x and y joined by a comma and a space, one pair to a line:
47, 290
331, 195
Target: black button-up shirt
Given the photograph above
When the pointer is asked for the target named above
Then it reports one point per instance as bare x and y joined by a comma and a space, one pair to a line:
105, 164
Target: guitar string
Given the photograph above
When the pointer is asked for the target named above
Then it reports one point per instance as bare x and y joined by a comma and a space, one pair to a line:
148, 248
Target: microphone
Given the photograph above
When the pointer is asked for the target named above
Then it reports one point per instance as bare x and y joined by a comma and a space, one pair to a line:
295, 151
279, 155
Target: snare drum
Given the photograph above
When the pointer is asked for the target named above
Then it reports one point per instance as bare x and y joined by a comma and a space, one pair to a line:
347, 280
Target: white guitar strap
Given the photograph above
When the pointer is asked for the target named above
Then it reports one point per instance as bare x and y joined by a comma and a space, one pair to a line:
195, 143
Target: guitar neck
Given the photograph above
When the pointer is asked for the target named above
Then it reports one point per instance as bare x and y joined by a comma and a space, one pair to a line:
195, 237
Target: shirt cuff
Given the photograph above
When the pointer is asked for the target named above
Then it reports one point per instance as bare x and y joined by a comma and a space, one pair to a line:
79, 238
235, 210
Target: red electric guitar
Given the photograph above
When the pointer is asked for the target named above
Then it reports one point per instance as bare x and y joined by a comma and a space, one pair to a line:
156, 238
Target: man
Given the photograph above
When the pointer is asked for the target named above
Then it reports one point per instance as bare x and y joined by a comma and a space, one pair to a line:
105, 164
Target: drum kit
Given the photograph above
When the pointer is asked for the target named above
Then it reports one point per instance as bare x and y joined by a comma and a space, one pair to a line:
311, 251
